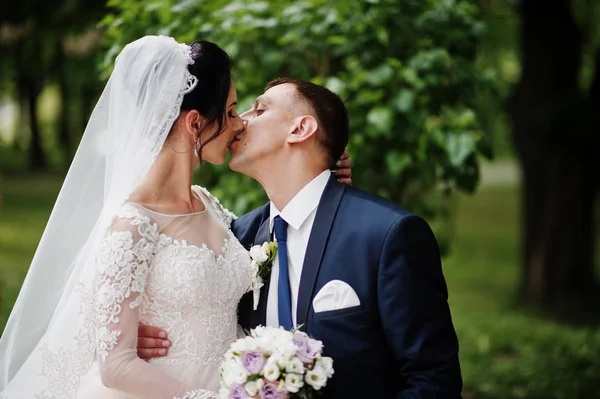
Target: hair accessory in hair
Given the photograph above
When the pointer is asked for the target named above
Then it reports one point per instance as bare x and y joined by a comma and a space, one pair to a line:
187, 52
191, 83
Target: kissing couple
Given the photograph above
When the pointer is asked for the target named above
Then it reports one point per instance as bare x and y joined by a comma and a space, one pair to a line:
142, 281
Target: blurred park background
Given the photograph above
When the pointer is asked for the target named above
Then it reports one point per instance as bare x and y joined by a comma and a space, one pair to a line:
482, 116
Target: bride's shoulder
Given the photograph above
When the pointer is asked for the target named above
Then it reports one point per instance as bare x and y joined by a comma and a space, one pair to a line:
132, 214
132, 210
132, 223
226, 215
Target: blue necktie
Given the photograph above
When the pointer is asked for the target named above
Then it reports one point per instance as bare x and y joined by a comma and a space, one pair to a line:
284, 298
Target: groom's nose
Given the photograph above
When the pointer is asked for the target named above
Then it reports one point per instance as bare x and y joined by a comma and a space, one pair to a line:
244, 125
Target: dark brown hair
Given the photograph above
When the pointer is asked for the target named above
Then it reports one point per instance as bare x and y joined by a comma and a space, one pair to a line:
330, 111
212, 67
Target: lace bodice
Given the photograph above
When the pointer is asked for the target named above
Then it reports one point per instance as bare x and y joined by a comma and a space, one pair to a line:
192, 293
183, 273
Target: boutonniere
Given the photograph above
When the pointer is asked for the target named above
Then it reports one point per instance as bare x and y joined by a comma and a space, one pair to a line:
262, 261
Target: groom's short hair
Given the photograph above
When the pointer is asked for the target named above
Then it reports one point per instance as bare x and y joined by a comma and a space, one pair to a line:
329, 110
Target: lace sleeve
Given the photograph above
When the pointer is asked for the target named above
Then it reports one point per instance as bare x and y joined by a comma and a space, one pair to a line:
123, 264
198, 394
225, 214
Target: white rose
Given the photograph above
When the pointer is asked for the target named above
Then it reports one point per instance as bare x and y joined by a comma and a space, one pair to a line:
287, 348
224, 393
293, 382
265, 344
295, 366
284, 336
244, 344
268, 339
234, 373
229, 355
316, 378
270, 333
257, 332
327, 364
251, 343
283, 351
241, 345
227, 364
271, 371
241, 375
251, 388
259, 383
258, 254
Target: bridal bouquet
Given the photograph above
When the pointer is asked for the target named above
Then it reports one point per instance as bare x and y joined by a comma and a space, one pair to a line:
272, 363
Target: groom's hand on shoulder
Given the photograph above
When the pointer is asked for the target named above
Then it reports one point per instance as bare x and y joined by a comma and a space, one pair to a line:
343, 169
152, 342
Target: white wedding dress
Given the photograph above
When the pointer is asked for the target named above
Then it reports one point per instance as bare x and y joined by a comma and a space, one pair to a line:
104, 265
182, 273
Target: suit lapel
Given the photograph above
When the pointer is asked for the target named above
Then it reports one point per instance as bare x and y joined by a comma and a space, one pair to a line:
326, 211
259, 316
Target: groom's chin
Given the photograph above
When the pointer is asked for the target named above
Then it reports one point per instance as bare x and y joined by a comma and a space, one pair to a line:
235, 163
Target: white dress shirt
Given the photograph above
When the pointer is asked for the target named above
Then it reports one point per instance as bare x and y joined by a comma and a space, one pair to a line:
299, 214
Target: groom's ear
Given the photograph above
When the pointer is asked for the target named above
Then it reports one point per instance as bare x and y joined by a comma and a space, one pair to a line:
304, 127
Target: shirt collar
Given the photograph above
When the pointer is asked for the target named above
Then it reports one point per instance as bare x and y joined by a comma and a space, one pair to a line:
303, 203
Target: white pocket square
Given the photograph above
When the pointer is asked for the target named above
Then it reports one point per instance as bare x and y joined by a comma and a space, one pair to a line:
335, 295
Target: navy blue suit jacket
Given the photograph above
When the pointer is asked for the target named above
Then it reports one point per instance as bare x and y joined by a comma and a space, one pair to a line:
400, 341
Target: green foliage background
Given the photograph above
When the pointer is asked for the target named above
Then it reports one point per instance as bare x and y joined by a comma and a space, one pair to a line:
425, 82
406, 70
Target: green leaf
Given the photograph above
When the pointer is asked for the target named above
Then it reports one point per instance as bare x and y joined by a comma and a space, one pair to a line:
380, 76
336, 85
397, 163
411, 77
459, 148
404, 100
381, 119
183, 6
464, 119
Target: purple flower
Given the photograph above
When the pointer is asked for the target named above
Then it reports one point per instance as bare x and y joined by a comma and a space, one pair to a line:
253, 361
270, 391
238, 391
307, 349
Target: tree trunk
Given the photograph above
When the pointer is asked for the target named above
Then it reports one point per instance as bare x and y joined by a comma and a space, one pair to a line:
29, 85
64, 136
37, 158
558, 274
553, 130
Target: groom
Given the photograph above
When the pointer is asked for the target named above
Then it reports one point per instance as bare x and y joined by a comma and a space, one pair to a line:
360, 274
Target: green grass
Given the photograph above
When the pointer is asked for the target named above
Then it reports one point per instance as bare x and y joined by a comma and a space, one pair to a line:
505, 353
27, 202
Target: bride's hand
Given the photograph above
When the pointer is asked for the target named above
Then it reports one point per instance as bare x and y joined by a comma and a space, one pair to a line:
343, 169
152, 342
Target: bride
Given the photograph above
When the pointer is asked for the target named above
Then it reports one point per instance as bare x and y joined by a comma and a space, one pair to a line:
130, 240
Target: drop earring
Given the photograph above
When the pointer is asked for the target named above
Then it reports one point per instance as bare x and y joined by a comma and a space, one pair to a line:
196, 142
